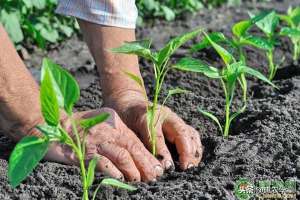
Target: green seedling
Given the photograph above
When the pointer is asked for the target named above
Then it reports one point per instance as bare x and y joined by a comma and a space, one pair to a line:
267, 22
292, 30
59, 91
240, 39
268, 26
229, 75
161, 66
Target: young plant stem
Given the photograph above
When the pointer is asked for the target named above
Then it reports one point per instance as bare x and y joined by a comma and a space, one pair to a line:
152, 120
271, 65
158, 86
242, 79
227, 118
80, 156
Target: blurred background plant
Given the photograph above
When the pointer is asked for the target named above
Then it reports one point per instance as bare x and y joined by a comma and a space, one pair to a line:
34, 21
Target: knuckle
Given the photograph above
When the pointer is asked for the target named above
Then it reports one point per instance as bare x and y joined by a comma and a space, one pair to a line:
122, 157
135, 147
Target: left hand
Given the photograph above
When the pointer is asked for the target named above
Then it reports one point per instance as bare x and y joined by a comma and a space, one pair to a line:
132, 109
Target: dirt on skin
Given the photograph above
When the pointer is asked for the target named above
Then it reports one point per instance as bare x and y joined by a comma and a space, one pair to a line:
264, 141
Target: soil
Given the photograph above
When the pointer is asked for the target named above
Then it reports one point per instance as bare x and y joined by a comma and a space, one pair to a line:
264, 141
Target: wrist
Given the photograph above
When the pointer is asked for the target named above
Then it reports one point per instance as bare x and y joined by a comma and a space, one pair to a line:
128, 104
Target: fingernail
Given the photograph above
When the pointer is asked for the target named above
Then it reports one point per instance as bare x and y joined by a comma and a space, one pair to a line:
159, 170
190, 166
168, 164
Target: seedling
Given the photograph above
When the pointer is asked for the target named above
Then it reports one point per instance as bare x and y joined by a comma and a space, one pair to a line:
59, 90
161, 66
229, 75
267, 22
292, 30
268, 26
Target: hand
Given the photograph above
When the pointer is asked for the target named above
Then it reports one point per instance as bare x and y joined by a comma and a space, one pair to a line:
121, 153
132, 108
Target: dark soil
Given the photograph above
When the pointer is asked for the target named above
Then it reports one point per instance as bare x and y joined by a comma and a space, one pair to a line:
264, 141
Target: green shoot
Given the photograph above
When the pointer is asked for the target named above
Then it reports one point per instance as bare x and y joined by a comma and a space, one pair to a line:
229, 76
59, 90
160, 61
267, 22
237, 43
292, 30
268, 26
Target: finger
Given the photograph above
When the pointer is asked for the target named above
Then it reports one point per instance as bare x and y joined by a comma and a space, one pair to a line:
185, 138
149, 167
163, 153
197, 143
106, 166
121, 158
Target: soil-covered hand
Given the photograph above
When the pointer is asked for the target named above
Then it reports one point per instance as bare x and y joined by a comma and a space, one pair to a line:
122, 154
131, 106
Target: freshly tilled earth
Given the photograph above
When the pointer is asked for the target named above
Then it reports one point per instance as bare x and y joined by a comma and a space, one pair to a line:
264, 141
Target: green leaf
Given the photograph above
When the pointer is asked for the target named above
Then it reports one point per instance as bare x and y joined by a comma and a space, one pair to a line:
66, 88
225, 55
286, 19
91, 171
174, 92
35, 34
256, 74
25, 157
49, 131
240, 29
67, 30
236, 114
295, 15
268, 23
49, 103
11, 23
89, 123
174, 44
140, 48
194, 65
291, 32
215, 36
212, 117
118, 184
177, 91
39, 4
169, 14
257, 42
135, 78
28, 3
50, 35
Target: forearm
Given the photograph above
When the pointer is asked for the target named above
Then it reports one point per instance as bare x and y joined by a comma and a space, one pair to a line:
19, 94
111, 66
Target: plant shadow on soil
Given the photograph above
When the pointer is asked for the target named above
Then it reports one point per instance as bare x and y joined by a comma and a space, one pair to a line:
264, 141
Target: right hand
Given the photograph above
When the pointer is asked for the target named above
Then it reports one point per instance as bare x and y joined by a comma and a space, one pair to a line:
122, 154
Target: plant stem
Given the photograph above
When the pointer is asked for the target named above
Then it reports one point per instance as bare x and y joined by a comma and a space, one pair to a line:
80, 157
271, 65
152, 125
227, 118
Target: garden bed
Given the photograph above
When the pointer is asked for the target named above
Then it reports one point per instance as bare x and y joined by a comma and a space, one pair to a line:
264, 141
